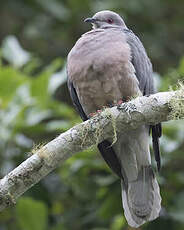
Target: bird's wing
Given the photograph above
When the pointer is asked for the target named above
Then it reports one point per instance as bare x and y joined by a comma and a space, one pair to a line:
75, 100
104, 147
144, 72
141, 62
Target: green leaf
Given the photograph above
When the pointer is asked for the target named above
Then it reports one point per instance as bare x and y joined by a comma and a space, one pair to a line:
39, 86
31, 214
118, 223
181, 67
57, 79
110, 205
59, 226
10, 80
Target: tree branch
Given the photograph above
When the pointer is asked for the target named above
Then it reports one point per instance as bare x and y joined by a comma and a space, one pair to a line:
150, 110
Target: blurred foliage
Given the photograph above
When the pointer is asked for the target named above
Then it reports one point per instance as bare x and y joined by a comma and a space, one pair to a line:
35, 107
51, 27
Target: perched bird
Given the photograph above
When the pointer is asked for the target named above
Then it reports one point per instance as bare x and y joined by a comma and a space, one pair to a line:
108, 64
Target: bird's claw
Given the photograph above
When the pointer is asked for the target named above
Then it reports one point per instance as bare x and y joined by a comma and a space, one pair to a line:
93, 114
120, 102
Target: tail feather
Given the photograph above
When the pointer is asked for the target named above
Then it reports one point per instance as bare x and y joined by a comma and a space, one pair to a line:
140, 191
141, 201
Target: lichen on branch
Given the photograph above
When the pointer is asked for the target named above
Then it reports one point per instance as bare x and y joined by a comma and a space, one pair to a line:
177, 103
142, 110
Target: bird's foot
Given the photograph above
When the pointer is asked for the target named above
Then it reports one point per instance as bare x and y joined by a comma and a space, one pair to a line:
94, 114
91, 115
124, 100
120, 102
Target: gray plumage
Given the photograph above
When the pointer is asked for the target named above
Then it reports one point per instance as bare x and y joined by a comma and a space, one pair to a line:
107, 64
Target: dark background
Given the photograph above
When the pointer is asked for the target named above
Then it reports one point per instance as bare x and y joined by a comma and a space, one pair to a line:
35, 38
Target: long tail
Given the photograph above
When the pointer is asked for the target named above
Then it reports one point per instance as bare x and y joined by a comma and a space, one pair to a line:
140, 191
141, 200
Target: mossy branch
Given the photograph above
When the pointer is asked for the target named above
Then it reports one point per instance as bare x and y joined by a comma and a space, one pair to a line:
150, 110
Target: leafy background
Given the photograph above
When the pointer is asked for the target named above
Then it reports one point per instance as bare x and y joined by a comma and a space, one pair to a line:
35, 37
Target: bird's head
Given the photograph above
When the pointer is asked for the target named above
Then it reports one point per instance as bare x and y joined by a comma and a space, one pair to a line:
106, 18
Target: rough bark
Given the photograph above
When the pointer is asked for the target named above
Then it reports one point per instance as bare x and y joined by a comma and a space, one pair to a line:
150, 110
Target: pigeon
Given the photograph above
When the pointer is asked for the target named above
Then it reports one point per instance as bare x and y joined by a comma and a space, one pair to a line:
109, 64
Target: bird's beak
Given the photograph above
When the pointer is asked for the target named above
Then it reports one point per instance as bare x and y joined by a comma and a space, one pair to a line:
90, 20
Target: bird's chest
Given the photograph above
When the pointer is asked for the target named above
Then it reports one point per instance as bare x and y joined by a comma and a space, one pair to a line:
101, 71
104, 85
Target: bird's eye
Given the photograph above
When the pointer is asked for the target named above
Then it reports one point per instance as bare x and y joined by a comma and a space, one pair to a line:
110, 21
